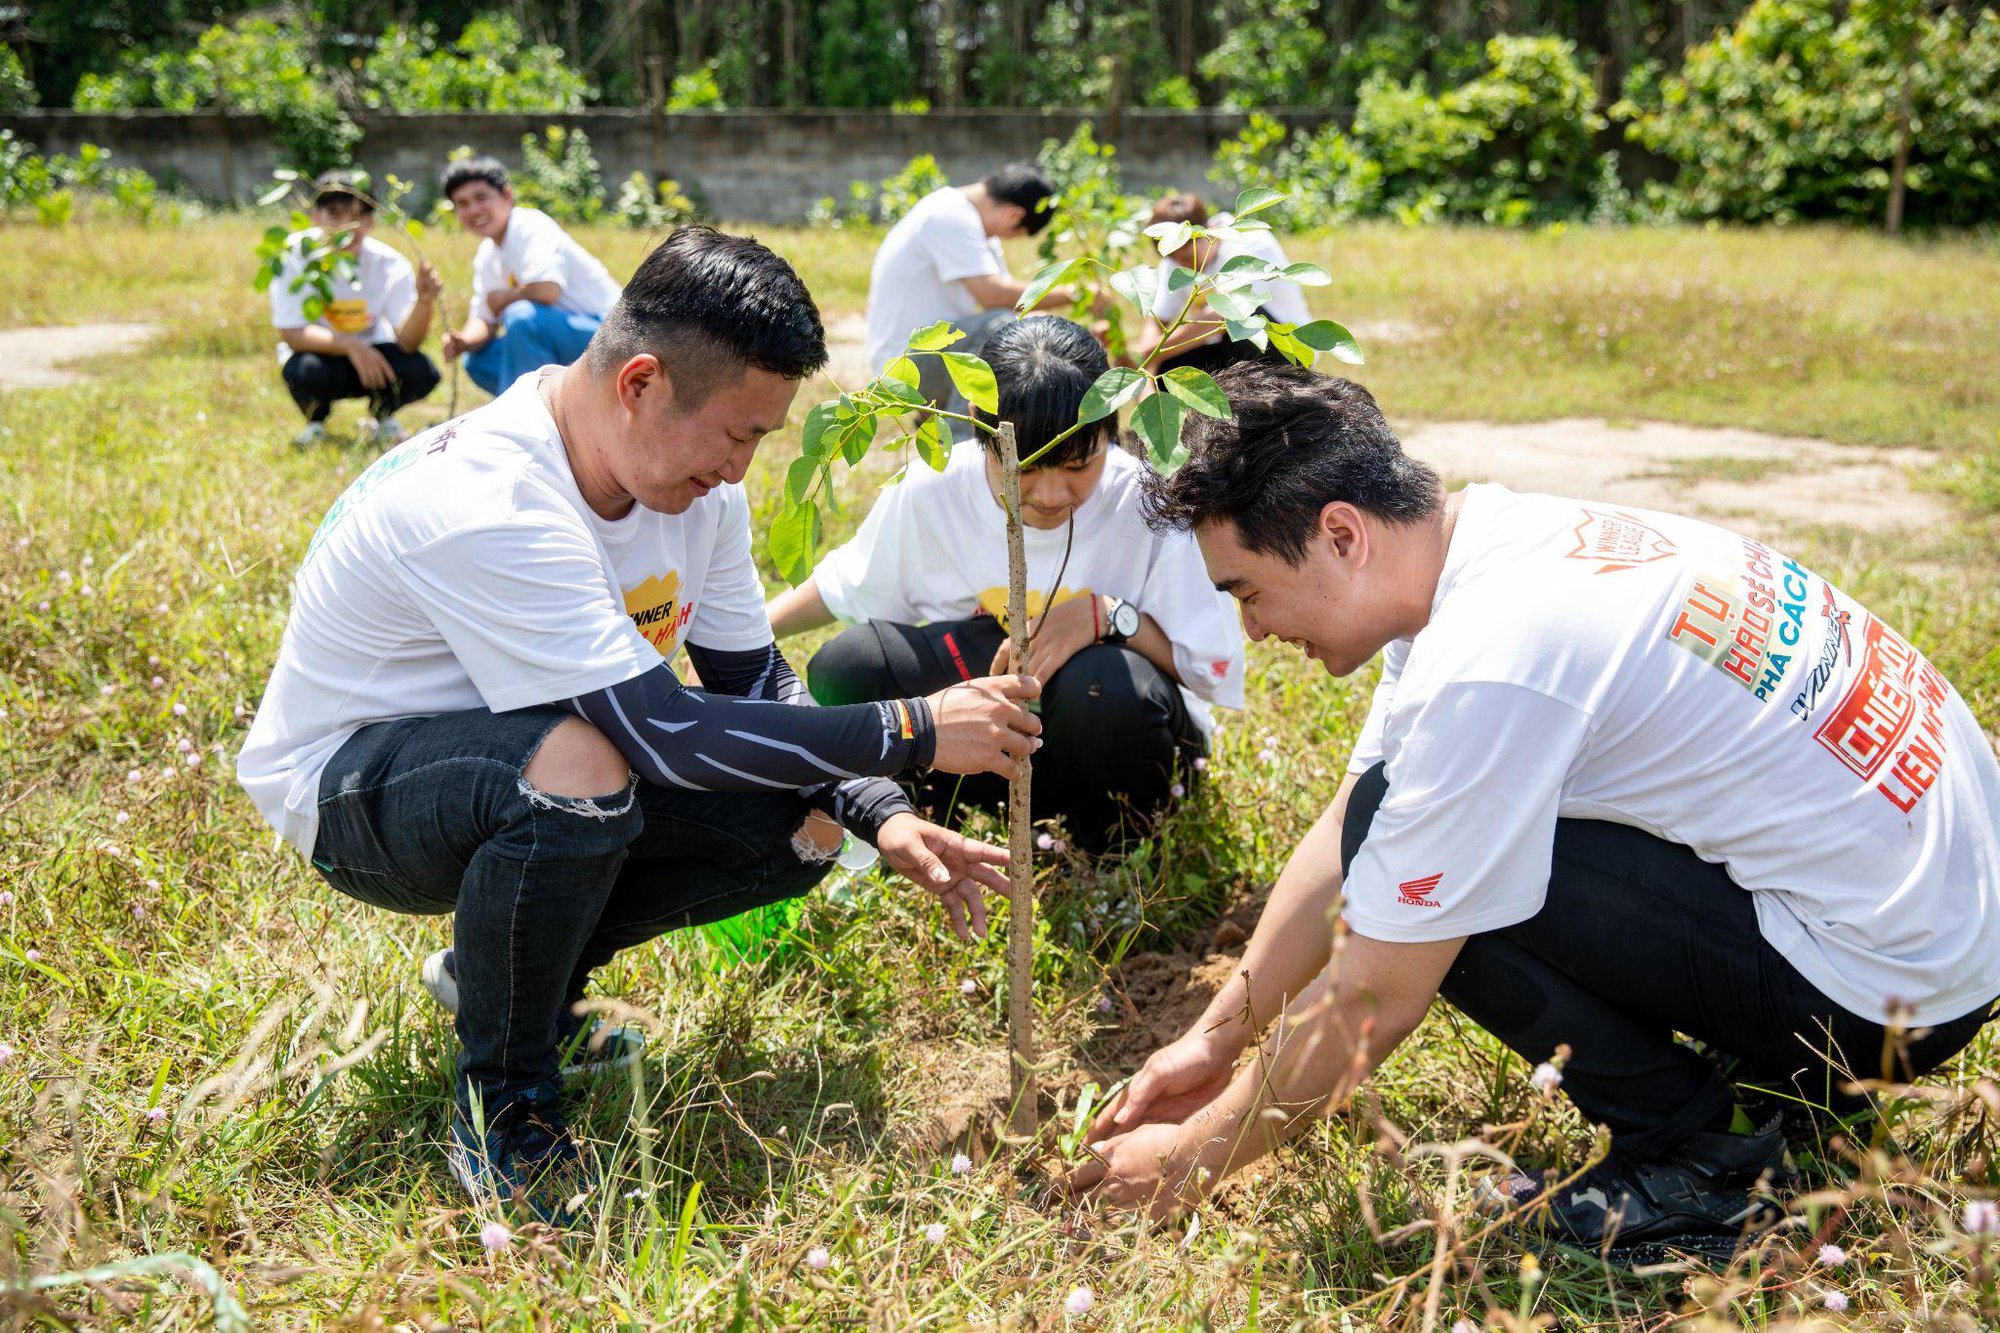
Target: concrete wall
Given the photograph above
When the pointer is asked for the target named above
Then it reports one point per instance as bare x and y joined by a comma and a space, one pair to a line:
757, 166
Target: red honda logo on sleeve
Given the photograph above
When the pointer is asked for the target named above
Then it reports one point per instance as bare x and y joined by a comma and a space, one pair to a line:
1417, 892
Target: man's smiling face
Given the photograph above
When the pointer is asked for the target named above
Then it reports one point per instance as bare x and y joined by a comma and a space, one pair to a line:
1327, 605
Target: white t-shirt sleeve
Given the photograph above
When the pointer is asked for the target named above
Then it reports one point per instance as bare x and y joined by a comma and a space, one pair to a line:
538, 251
1465, 837
958, 247
731, 615
1198, 621
867, 576
288, 307
526, 608
1368, 745
1167, 301
485, 278
399, 292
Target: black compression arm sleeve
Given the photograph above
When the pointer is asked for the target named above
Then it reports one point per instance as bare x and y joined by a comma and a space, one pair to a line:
678, 737
861, 805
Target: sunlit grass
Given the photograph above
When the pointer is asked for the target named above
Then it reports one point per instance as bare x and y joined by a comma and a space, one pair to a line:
214, 1054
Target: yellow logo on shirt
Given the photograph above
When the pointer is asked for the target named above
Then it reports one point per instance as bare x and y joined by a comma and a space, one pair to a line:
657, 612
994, 601
349, 315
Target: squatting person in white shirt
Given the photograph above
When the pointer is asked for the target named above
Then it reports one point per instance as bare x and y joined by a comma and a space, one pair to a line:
943, 261
1135, 646
1201, 340
473, 710
368, 341
1626, 775
537, 295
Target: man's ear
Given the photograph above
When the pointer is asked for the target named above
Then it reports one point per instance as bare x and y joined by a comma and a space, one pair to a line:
1341, 525
640, 376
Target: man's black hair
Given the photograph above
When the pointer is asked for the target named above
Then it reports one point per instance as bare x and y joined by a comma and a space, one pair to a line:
469, 169
708, 304
1295, 442
1043, 365
337, 188
1023, 184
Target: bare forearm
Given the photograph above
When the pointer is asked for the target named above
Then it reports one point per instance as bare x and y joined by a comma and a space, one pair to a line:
416, 326
318, 339
797, 610
1152, 643
1294, 936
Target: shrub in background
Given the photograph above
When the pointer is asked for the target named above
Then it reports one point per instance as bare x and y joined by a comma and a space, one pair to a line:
644, 206
17, 90
52, 187
1794, 114
559, 175
490, 67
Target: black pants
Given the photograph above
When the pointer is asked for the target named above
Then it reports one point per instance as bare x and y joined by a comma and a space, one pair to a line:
1640, 939
1116, 731
431, 815
317, 382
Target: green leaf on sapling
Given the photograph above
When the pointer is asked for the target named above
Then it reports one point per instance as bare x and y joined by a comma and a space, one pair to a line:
1255, 200
1111, 391
1230, 305
1305, 275
1047, 278
932, 446
935, 337
974, 379
799, 478
1158, 423
1323, 335
819, 420
1140, 285
794, 537
855, 435
904, 369
1195, 388
1289, 347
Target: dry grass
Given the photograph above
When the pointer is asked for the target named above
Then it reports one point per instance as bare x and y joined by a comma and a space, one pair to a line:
213, 1056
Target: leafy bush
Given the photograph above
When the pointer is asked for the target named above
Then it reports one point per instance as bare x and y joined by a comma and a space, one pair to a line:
1175, 93
253, 65
696, 90
1272, 53
17, 91
490, 67
53, 186
1794, 114
644, 206
1511, 145
559, 175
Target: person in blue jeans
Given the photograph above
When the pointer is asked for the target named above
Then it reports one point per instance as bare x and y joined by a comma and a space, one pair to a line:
537, 295
475, 711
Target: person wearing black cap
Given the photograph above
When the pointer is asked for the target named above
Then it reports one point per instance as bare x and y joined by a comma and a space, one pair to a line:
367, 341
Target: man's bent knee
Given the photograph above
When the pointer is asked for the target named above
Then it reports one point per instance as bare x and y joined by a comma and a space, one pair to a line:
579, 762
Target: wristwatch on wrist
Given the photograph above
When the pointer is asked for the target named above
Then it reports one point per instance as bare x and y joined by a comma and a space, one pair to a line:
1121, 622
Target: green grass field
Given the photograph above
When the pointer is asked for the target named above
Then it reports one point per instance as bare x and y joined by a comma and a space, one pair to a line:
211, 1055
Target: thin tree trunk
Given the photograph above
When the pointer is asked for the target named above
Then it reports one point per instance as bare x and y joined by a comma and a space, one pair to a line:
1023, 1085
1899, 170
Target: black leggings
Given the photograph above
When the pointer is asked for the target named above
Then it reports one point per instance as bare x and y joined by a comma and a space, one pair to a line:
317, 382
1116, 730
1640, 939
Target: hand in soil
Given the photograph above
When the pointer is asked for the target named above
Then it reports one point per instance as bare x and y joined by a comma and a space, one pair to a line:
1176, 1081
947, 864
1141, 1170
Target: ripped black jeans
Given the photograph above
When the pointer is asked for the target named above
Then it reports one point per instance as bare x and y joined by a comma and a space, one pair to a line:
431, 815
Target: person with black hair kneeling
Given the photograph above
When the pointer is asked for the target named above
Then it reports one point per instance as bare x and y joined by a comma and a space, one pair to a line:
1626, 775
943, 261
1135, 645
474, 709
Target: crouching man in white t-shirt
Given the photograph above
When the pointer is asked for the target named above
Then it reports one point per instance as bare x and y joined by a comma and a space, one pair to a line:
1626, 775
1199, 338
943, 261
473, 709
537, 295
1136, 645
368, 342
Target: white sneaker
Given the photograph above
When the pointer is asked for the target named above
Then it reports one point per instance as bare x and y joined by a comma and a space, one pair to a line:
313, 434
389, 431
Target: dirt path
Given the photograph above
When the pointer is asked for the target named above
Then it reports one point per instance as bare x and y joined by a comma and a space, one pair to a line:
42, 358
1766, 484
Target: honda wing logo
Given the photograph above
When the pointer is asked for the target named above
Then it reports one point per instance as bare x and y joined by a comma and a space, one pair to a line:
1417, 892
